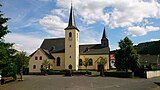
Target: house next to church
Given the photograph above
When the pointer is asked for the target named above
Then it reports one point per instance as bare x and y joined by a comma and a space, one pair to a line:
63, 53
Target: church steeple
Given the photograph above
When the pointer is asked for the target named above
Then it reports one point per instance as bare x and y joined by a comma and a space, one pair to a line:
104, 34
71, 23
104, 40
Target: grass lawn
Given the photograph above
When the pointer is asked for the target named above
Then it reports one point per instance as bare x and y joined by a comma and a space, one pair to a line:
115, 70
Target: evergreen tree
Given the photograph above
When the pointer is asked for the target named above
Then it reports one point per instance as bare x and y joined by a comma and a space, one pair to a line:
7, 63
126, 56
3, 28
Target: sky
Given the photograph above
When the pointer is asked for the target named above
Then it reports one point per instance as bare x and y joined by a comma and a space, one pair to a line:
32, 21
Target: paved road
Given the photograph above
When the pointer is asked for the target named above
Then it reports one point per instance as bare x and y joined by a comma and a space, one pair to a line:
55, 82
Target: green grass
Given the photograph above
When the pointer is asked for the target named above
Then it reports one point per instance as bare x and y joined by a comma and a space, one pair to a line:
114, 70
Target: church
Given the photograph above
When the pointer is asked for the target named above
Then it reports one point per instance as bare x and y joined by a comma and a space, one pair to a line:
63, 53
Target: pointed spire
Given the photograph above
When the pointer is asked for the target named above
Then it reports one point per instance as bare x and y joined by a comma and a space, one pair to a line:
104, 40
71, 23
104, 33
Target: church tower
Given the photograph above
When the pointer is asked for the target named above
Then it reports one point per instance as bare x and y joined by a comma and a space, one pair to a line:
71, 43
104, 40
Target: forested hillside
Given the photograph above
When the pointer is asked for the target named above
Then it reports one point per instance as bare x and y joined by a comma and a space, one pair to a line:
148, 47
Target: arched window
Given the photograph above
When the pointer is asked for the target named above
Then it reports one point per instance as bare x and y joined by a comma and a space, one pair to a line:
40, 58
34, 66
90, 62
36, 58
70, 34
80, 62
58, 61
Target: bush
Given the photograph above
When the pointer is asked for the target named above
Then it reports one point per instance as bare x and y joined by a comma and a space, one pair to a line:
9, 71
120, 74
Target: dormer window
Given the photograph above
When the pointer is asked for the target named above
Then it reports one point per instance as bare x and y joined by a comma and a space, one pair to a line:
53, 47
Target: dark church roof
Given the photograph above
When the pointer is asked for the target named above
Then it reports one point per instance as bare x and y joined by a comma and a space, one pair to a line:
58, 46
93, 49
55, 45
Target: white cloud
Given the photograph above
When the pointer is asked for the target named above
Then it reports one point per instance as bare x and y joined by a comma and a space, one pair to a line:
139, 31
60, 12
154, 39
89, 36
26, 43
124, 14
53, 25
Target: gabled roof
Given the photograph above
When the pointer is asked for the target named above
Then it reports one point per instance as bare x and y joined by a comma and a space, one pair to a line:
55, 45
45, 52
58, 46
93, 49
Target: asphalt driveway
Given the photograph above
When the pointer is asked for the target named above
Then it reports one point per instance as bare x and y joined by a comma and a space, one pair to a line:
58, 82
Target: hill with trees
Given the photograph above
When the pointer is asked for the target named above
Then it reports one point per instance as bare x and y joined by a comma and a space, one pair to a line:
148, 48
152, 48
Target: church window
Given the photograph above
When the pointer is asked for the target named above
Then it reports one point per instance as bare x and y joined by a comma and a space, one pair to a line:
69, 45
36, 58
69, 56
90, 62
80, 62
40, 58
70, 34
58, 61
34, 66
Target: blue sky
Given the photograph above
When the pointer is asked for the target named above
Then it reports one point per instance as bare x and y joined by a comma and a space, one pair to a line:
34, 20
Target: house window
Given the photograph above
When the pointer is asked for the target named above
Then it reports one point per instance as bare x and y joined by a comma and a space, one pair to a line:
40, 58
69, 56
36, 58
80, 62
34, 66
58, 61
69, 45
90, 62
70, 34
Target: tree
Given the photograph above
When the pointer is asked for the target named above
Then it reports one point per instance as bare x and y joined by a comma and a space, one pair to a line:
86, 63
7, 64
3, 28
101, 61
46, 64
126, 56
21, 61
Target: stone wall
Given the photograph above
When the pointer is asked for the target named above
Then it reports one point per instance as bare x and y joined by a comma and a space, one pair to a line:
151, 74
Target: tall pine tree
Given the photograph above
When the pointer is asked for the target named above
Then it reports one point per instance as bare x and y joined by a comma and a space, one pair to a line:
7, 62
126, 56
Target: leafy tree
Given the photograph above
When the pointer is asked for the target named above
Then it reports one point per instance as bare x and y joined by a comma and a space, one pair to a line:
101, 61
86, 63
126, 56
46, 64
21, 61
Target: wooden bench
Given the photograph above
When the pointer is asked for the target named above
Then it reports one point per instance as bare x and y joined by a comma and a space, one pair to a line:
6, 79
